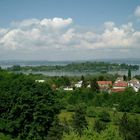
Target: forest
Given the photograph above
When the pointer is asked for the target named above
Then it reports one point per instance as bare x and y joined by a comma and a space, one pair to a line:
78, 67
31, 110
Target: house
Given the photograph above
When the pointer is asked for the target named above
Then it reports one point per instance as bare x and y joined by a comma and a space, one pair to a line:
135, 84
134, 81
40, 81
104, 85
79, 84
119, 79
88, 86
136, 87
68, 88
119, 86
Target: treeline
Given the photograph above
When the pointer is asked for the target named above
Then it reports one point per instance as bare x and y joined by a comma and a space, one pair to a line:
78, 67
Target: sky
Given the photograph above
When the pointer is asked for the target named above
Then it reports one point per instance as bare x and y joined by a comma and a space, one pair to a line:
69, 29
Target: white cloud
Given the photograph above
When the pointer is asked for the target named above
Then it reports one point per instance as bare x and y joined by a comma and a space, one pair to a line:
137, 12
49, 38
109, 25
56, 22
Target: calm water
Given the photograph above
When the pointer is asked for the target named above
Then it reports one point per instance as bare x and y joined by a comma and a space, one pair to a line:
82, 73
5, 64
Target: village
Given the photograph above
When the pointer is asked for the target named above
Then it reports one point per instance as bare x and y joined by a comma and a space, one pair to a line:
107, 86
119, 85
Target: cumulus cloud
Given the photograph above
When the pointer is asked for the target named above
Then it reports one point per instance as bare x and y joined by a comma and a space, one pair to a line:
55, 23
109, 25
57, 37
137, 12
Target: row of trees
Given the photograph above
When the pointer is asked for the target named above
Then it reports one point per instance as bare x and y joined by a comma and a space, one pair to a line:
80, 67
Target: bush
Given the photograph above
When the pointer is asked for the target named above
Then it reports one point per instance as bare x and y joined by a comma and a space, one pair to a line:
99, 126
70, 108
104, 116
90, 112
79, 121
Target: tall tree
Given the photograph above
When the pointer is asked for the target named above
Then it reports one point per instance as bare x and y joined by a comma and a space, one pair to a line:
94, 85
79, 120
84, 84
129, 74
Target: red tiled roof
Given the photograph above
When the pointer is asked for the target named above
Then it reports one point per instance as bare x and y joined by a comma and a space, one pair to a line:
117, 89
121, 84
104, 82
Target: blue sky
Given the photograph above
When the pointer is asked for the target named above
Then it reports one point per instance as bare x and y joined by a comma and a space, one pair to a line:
84, 12
69, 29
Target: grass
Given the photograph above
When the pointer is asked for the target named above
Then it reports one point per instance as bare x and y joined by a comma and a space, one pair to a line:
115, 115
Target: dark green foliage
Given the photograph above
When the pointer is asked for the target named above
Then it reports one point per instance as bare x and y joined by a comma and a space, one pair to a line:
129, 74
56, 130
94, 85
15, 68
129, 129
90, 112
124, 77
27, 109
99, 126
79, 122
84, 84
85, 66
62, 81
104, 116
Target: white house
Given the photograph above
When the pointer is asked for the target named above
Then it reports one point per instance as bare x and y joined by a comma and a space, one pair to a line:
135, 84
68, 88
136, 87
40, 81
79, 84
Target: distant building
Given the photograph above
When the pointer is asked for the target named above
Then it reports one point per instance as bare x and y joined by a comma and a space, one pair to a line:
68, 88
79, 84
105, 85
136, 87
88, 86
119, 86
40, 81
119, 79
135, 84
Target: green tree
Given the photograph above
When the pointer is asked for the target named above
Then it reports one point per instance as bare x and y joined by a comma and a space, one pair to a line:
129, 74
84, 84
124, 77
99, 126
94, 85
104, 116
128, 128
56, 130
79, 121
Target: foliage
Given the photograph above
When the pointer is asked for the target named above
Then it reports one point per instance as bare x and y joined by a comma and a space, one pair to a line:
129, 74
104, 116
81, 67
3, 137
99, 126
27, 108
79, 121
111, 133
56, 130
129, 128
90, 112
94, 85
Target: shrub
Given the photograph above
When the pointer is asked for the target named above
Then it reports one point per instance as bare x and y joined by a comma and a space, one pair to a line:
90, 112
104, 116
